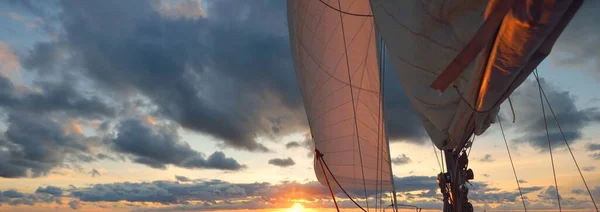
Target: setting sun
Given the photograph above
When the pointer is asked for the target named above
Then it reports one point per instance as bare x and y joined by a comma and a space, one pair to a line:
297, 207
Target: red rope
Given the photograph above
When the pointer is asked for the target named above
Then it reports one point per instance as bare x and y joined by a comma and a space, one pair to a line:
327, 179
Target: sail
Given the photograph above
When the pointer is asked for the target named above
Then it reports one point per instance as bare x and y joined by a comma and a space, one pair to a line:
335, 56
426, 37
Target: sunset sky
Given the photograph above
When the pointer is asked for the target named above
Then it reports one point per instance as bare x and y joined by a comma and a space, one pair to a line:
194, 105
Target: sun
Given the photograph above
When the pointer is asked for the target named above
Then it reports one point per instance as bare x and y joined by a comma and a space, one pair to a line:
297, 207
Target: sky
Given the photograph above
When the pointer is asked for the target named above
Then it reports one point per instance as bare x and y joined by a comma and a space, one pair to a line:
194, 105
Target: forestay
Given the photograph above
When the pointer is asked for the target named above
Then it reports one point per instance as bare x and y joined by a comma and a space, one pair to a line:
337, 69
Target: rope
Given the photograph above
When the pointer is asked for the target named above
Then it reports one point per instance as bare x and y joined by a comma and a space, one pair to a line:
353, 105
567, 143
436, 157
511, 109
320, 156
346, 13
326, 179
548, 138
511, 163
379, 162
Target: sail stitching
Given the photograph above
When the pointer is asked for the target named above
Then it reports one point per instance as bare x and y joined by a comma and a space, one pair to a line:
417, 33
353, 106
346, 13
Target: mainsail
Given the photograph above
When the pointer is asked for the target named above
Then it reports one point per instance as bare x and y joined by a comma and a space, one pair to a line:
335, 54
457, 61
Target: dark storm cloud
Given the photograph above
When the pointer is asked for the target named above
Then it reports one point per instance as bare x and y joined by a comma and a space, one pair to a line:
487, 158
33, 145
415, 183
169, 192
52, 190
230, 77
75, 204
401, 160
94, 173
592, 147
157, 146
182, 178
403, 123
530, 123
292, 144
55, 97
578, 45
282, 162
13, 197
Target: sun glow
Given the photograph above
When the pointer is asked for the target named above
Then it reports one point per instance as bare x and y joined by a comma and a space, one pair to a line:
297, 207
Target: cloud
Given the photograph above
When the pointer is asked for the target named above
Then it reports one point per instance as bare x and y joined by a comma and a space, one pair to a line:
9, 62
61, 97
210, 191
403, 123
52, 190
180, 59
182, 178
292, 144
487, 158
588, 168
401, 160
596, 156
14, 198
33, 145
282, 162
184, 67
94, 173
486, 175
576, 47
530, 123
522, 181
191, 9
159, 145
592, 147
75, 204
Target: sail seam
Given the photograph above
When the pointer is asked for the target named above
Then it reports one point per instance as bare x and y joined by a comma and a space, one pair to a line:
345, 13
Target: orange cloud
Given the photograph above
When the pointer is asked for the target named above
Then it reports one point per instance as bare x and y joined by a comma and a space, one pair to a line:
9, 62
73, 127
149, 120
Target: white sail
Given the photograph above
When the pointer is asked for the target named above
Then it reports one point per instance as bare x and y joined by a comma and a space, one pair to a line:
424, 37
335, 56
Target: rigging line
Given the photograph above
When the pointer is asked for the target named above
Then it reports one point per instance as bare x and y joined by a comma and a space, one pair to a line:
548, 138
511, 109
471, 147
437, 157
353, 106
567, 143
511, 162
379, 122
344, 12
320, 155
320, 158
